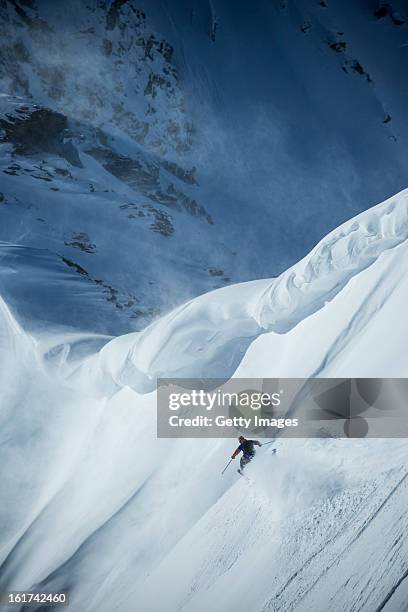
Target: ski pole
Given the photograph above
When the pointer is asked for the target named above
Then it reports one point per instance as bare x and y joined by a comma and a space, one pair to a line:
226, 467
272, 441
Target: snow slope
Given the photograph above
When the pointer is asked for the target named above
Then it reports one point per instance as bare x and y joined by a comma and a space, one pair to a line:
151, 152
98, 505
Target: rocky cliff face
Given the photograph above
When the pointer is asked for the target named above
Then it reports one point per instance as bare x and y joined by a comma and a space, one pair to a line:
92, 110
98, 64
166, 149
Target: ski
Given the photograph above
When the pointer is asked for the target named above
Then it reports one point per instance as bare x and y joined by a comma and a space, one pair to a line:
246, 477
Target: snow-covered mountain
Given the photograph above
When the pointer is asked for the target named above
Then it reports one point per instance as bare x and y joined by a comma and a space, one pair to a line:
152, 151
97, 505
166, 170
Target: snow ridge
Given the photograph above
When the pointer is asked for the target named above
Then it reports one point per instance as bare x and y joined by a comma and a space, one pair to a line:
345, 252
208, 336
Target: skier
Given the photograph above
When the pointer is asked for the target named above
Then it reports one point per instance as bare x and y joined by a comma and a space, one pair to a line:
248, 452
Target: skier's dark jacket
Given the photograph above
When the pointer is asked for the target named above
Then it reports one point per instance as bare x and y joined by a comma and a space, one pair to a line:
247, 448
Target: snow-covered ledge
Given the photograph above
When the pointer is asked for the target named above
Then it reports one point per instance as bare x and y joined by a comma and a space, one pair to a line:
208, 336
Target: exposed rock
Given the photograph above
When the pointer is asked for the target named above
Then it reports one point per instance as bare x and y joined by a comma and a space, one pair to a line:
92, 99
213, 31
81, 241
355, 67
338, 46
12, 170
144, 175
215, 272
41, 131
305, 27
119, 300
139, 174
383, 10
79, 269
161, 46
397, 20
186, 175
173, 198
162, 221
156, 81
63, 172
113, 14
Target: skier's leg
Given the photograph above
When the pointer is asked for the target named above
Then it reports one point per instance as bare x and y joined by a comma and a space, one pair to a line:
243, 462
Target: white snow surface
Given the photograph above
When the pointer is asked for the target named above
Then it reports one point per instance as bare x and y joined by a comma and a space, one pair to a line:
208, 336
97, 505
